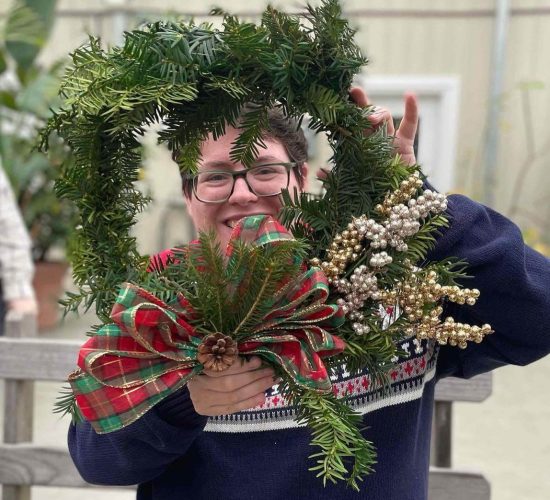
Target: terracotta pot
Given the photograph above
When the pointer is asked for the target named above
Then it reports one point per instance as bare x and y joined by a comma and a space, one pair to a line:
48, 286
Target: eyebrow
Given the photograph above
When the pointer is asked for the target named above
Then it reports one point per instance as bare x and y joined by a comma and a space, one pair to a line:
226, 163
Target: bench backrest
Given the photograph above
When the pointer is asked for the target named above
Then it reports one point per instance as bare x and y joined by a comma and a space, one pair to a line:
25, 358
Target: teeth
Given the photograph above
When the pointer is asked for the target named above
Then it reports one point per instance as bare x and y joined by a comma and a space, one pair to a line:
231, 223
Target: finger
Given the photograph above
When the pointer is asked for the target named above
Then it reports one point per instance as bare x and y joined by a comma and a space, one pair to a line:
236, 398
382, 116
236, 382
409, 124
240, 365
359, 97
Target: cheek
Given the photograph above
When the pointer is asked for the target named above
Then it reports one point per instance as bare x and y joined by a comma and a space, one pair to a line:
200, 213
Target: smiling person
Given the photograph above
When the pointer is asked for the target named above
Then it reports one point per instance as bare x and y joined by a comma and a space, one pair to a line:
231, 435
224, 192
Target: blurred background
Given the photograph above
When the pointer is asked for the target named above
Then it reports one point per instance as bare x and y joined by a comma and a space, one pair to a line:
482, 74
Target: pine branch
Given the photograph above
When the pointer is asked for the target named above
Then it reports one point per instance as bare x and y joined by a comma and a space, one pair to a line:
345, 454
194, 80
66, 405
254, 306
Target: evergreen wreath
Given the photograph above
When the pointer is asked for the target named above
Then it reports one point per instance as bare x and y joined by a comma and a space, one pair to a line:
369, 233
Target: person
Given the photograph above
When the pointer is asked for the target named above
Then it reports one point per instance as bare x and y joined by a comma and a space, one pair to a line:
231, 435
16, 266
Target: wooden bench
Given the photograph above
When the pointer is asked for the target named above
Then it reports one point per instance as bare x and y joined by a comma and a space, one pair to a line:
25, 358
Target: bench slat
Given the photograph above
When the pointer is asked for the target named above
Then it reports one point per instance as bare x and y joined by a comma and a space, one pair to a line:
32, 465
450, 484
37, 359
475, 389
54, 359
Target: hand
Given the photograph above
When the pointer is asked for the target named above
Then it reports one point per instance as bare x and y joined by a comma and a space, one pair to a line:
405, 134
24, 306
238, 388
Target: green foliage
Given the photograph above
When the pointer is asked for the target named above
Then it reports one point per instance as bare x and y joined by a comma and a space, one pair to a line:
235, 294
66, 405
194, 80
336, 430
26, 99
28, 26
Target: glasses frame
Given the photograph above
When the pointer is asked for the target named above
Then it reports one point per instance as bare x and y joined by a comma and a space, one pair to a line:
242, 173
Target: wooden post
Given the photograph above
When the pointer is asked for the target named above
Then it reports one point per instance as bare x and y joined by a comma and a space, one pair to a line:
19, 402
442, 434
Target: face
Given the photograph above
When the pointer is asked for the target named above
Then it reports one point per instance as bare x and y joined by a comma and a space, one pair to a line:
222, 216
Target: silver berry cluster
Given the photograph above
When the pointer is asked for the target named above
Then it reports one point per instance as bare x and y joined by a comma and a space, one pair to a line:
361, 286
401, 214
404, 220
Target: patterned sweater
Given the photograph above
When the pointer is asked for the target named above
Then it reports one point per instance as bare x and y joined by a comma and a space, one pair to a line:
174, 453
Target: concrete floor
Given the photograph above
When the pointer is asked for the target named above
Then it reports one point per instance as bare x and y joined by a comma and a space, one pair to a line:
507, 437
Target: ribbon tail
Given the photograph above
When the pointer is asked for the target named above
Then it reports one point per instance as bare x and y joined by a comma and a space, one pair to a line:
301, 363
110, 409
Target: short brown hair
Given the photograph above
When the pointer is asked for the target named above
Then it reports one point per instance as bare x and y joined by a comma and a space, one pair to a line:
281, 128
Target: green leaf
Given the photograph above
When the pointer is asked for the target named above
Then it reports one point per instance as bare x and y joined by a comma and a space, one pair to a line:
27, 28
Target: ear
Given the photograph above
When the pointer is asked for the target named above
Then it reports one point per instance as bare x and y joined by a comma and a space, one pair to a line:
304, 169
187, 200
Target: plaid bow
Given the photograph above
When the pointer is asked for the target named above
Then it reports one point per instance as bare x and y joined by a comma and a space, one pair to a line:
150, 350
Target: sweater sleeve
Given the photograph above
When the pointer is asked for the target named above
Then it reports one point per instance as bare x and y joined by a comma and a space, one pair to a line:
514, 281
140, 451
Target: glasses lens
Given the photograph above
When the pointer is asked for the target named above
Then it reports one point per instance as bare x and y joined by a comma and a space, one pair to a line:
213, 186
267, 180
264, 180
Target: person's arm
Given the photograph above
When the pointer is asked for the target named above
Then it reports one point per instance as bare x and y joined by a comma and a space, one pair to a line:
16, 267
144, 449
140, 451
514, 281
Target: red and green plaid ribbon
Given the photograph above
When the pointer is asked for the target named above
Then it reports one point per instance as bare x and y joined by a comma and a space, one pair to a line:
150, 350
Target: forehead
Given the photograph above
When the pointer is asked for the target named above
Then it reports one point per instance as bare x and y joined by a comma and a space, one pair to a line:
216, 152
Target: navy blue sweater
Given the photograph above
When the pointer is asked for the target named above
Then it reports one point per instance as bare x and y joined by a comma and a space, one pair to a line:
175, 454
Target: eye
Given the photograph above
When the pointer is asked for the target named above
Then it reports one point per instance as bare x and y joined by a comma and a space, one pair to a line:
267, 172
213, 178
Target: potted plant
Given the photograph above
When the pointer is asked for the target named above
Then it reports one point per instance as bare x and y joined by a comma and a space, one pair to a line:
28, 92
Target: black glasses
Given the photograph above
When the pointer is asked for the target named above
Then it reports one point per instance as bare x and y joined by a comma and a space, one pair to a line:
216, 186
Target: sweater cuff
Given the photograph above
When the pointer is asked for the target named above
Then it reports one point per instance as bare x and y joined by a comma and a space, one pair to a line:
177, 410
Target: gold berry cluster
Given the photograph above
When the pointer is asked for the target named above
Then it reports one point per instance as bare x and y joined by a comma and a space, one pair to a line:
419, 290
345, 248
422, 290
405, 192
453, 333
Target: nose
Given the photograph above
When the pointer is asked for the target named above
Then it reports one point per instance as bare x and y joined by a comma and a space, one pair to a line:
241, 194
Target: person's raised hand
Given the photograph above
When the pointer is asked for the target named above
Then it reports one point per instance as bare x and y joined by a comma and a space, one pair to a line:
405, 133
240, 387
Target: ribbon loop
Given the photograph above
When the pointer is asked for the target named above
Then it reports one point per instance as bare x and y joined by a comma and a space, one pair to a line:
152, 348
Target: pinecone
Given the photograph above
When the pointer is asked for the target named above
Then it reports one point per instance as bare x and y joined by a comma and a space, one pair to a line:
217, 352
